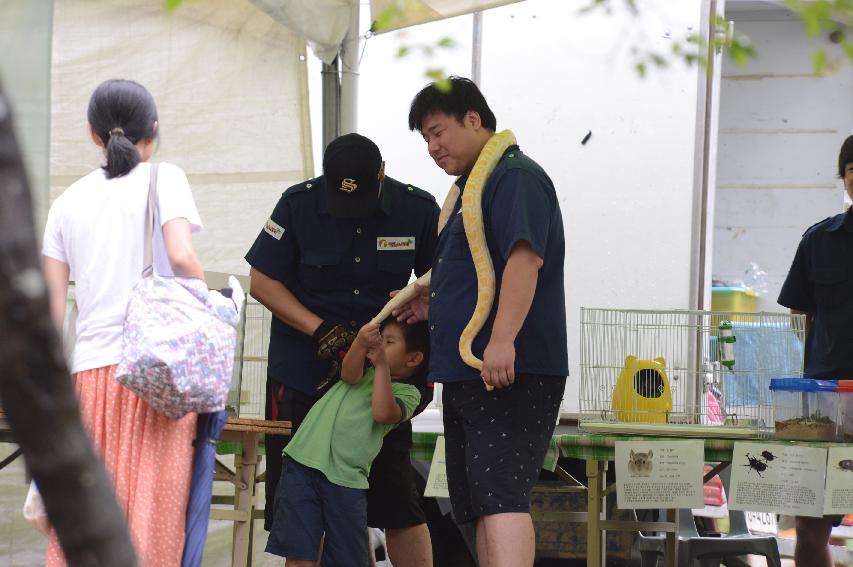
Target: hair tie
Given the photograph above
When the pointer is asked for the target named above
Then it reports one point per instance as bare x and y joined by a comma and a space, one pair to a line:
116, 132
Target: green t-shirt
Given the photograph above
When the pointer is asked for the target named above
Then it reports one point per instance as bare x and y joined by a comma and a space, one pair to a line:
339, 436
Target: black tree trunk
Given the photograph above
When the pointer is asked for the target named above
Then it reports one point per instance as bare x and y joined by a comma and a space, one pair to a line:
36, 390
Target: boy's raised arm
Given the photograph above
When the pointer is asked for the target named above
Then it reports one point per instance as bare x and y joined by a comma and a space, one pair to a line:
386, 410
352, 367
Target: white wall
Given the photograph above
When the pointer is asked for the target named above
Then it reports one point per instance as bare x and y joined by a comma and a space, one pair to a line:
780, 132
551, 76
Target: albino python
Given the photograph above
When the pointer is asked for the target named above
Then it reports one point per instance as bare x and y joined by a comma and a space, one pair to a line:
472, 219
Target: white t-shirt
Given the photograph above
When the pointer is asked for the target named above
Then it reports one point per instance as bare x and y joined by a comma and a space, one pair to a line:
97, 227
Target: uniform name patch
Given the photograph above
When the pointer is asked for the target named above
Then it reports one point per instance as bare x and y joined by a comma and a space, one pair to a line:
395, 243
274, 229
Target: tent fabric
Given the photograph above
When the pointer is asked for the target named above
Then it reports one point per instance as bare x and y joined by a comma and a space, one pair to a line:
404, 13
25, 28
231, 90
323, 23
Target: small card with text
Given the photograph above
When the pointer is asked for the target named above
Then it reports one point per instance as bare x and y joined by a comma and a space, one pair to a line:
659, 474
436, 485
769, 477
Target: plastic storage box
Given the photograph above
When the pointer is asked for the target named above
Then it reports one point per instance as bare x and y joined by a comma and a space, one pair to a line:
805, 409
845, 400
734, 299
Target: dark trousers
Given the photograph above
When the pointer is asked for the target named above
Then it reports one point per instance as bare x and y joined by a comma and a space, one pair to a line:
281, 404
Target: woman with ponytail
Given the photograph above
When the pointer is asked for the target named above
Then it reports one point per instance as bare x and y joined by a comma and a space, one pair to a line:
94, 236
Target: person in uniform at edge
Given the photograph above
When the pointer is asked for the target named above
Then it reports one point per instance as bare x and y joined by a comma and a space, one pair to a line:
495, 441
324, 265
820, 285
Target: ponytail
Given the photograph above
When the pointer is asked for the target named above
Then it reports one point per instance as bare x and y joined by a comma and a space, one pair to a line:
121, 113
122, 155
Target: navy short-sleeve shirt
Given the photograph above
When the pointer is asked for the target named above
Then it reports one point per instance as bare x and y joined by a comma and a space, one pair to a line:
820, 283
341, 269
519, 204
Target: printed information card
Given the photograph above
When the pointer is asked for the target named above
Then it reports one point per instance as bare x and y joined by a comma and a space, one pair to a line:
787, 479
436, 485
839, 481
659, 474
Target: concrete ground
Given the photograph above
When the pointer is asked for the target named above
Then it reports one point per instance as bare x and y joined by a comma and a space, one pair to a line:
23, 546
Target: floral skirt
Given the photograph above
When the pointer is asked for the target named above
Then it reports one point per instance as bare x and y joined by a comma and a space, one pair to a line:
149, 459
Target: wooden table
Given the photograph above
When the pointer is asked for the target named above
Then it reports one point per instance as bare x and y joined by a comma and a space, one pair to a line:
248, 434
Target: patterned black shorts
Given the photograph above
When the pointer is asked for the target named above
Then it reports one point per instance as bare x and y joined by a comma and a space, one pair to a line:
496, 442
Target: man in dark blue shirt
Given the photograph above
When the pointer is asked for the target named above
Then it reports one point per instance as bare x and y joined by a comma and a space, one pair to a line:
324, 265
496, 441
820, 285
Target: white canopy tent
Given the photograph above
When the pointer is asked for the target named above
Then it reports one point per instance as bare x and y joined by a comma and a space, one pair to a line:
231, 84
233, 89
331, 28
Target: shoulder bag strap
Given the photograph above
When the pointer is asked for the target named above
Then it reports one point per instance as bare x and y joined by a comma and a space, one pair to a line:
147, 255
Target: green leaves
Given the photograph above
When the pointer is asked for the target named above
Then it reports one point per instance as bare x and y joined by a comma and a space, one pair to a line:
384, 20
172, 5
820, 61
435, 74
832, 19
441, 81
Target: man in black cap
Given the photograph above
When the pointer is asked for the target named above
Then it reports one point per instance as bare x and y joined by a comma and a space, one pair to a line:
324, 265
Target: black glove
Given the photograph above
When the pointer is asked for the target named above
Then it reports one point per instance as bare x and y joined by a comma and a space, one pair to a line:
333, 376
332, 340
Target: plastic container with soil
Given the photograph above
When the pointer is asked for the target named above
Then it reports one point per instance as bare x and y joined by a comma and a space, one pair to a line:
805, 409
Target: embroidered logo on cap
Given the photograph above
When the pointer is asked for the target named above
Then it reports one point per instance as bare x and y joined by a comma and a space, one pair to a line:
348, 185
274, 229
395, 243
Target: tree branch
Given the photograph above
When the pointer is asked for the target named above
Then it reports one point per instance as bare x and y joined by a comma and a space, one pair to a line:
36, 390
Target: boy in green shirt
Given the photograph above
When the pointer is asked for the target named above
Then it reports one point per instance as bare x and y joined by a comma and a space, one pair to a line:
324, 478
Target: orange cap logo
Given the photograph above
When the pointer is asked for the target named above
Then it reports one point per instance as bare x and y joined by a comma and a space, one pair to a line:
348, 185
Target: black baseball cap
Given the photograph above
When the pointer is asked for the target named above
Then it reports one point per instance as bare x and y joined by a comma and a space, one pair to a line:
353, 170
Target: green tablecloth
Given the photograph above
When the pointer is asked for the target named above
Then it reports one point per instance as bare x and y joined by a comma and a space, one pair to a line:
602, 447
576, 446
423, 445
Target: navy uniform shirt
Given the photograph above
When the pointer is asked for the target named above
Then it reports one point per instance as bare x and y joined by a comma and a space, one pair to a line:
821, 282
519, 203
340, 269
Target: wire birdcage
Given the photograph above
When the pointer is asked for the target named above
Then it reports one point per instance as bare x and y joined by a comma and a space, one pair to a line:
676, 373
248, 389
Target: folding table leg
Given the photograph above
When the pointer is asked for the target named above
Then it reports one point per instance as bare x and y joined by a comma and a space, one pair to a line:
594, 535
244, 499
672, 540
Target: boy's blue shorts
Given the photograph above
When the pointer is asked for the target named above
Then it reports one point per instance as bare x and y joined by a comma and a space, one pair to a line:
306, 506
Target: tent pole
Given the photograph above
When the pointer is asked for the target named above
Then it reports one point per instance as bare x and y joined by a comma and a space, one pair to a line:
349, 73
331, 102
477, 48
705, 158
